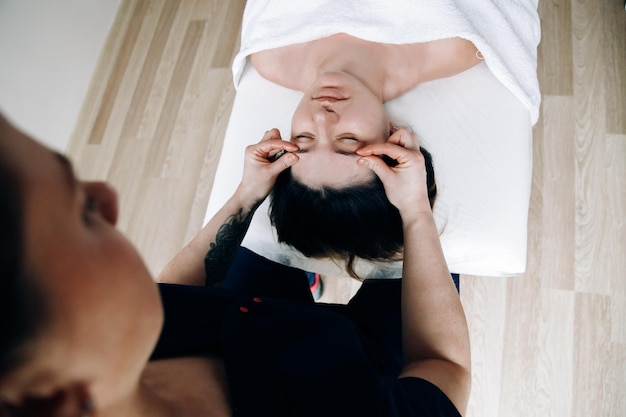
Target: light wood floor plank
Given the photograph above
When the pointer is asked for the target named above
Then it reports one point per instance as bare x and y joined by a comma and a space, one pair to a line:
485, 301
116, 76
149, 69
97, 88
520, 391
168, 200
128, 153
615, 206
555, 48
558, 192
616, 400
592, 348
174, 97
614, 44
215, 115
618, 320
590, 133
555, 354
229, 34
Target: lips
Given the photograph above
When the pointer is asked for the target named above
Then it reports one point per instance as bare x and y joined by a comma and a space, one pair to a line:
329, 94
328, 99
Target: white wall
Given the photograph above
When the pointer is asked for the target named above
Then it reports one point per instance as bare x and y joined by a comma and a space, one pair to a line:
48, 52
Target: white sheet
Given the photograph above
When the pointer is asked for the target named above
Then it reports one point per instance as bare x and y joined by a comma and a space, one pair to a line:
480, 136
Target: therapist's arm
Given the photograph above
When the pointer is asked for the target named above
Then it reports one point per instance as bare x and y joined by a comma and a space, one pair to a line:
216, 244
434, 329
435, 335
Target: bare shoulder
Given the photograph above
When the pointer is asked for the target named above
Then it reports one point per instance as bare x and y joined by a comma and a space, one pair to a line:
408, 65
448, 57
282, 66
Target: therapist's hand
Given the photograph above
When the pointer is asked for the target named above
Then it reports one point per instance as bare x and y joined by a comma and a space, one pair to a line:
405, 183
261, 166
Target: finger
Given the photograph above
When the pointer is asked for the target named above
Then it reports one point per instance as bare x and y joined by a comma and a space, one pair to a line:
405, 137
282, 163
270, 147
271, 134
377, 165
393, 151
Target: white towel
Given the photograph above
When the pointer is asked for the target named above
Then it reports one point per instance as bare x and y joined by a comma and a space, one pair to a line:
507, 32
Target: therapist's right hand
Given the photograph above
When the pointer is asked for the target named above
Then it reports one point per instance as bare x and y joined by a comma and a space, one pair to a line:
261, 168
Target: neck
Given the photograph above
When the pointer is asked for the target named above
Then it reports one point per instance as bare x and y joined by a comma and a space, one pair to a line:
371, 75
342, 53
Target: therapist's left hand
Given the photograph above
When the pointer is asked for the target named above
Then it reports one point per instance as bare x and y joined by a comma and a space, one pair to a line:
261, 167
405, 181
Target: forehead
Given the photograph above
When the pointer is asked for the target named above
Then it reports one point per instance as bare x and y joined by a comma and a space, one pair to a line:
34, 165
45, 180
330, 169
23, 155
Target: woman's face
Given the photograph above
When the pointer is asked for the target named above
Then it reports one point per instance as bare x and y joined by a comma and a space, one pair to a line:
336, 116
105, 311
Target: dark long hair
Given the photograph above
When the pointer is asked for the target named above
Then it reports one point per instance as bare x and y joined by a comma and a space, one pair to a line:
346, 223
20, 305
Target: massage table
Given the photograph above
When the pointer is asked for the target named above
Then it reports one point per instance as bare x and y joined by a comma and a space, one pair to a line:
476, 125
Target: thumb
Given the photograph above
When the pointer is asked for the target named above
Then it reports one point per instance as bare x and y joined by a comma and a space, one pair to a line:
284, 162
377, 165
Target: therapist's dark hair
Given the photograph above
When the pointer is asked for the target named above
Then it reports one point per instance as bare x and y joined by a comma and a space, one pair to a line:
346, 223
21, 307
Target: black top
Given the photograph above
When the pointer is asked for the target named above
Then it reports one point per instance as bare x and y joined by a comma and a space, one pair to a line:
293, 359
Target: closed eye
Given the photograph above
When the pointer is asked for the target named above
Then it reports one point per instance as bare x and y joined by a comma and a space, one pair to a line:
338, 151
303, 139
345, 145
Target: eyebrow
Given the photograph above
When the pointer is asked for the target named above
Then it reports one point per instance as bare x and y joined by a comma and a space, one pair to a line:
68, 170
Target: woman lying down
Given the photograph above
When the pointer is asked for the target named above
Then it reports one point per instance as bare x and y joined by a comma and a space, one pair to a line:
349, 58
87, 332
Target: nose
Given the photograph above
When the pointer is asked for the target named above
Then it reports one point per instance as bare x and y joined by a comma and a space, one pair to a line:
105, 199
325, 113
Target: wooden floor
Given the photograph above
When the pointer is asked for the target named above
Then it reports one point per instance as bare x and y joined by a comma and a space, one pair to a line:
550, 343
